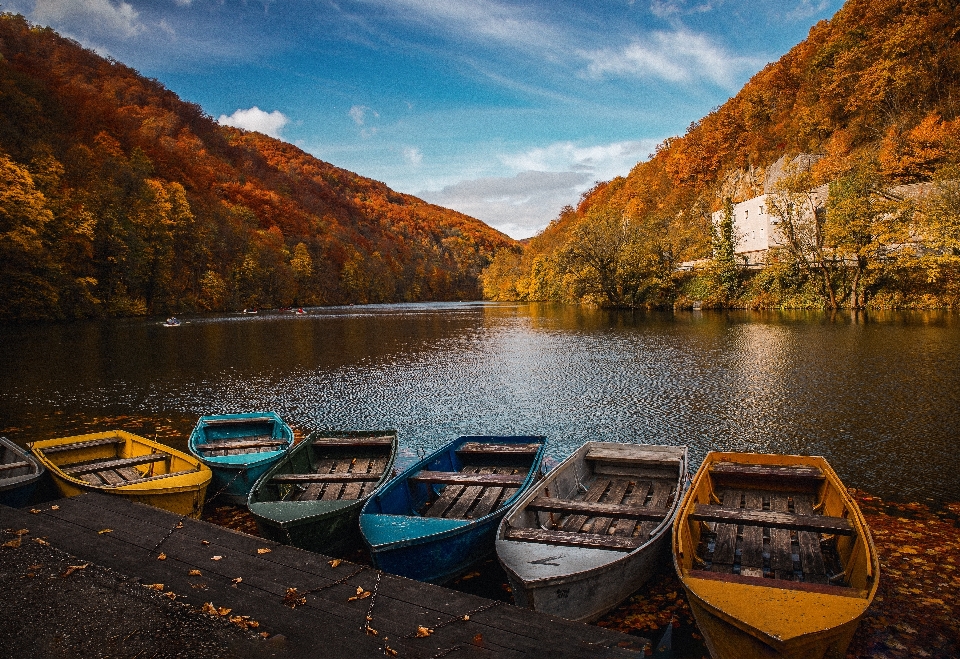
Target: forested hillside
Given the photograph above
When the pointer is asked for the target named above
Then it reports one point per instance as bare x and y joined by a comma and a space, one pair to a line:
875, 91
118, 198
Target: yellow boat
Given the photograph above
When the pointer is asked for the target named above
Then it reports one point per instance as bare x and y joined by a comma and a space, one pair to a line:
119, 462
775, 556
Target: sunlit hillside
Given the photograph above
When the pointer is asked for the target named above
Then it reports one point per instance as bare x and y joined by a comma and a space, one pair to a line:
119, 198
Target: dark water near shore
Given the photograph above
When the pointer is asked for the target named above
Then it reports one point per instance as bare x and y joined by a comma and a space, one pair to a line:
877, 394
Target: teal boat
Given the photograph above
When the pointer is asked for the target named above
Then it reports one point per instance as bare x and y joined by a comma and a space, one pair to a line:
239, 448
311, 498
438, 518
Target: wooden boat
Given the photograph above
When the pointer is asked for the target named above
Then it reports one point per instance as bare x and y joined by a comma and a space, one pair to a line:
19, 474
437, 519
594, 530
311, 498
775, 556
239, 448
121, 463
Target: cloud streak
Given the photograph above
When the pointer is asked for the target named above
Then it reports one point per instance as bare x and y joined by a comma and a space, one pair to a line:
90, 18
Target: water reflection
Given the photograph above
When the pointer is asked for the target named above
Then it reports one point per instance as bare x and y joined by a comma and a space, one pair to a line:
876, 394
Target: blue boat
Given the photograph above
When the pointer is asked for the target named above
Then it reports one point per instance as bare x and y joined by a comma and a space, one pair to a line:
438, 518
239, 448
19, 474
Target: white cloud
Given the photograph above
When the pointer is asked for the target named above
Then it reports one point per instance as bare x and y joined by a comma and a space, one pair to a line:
103, 18
679, 56
357, 113
601, 161
520, 206
268, 123
670, 8
413, 156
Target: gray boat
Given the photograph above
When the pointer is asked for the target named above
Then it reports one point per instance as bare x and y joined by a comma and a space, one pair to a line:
594, 530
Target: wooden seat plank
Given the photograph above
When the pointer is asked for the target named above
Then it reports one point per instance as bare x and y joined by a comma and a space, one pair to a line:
347, 479
468, 479
662, 489
637, 498
485, 448
90, 443
811, 558
574, 539
773, 519
14, 465
146, 479
466, 499
215, 423
751, 555
254, 443
781, 556
767, 472
632, 454
448, 495
725, 545
592, 495
352, 442
614, 495
614, 511
314, 490
100, 465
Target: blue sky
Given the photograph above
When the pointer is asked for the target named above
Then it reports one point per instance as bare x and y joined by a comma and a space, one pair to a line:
505, 110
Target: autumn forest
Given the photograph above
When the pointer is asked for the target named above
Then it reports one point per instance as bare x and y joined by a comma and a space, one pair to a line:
118, 198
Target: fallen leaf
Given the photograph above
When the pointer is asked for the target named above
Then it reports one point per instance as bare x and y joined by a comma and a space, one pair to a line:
216, 558
389, 651
179, 525
162, 557
172, 595
237, 580
38, 566
209, 608
466, 618
21, 532
223, 610
371, 631
264, 550
41, 541
361, 594
204, 542
293, 598
73, 568
153, 586
335, 562
478, 640
34, 511
423, 632
195, 573
102, 531
54, 507
12, 544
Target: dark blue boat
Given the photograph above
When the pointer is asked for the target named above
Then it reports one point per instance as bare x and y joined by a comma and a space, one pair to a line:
19, 474
239, 448
438, 518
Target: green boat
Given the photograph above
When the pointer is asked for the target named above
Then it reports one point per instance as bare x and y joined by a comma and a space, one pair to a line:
311, 498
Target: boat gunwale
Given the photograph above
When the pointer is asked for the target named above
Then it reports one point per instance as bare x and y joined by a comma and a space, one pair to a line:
325, 508
467, 524
618, 557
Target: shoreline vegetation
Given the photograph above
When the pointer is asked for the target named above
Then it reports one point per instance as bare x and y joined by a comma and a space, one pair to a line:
864, 115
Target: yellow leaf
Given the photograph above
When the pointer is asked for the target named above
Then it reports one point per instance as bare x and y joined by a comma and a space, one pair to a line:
54, 507
208, 607
195, 573
223, 610
153, 586
238, 580
264, 550
102, 531
216, 558
423, 632
34, 511
204, 542
172, 595
162, 557
41, 541
335, 562
12, 544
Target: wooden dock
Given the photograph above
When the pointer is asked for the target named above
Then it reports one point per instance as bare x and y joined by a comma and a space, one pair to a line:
343, 611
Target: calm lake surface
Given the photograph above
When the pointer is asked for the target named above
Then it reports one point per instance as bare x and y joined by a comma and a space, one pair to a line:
878, 395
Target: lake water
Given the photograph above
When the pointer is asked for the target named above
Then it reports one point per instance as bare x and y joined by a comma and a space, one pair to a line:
878, 395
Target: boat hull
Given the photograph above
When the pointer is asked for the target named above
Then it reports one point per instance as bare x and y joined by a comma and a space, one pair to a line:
801, 612
581, 583
326, 526
235, 473
182, 492
435, 549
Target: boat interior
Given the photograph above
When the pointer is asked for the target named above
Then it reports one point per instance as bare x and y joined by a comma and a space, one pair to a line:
332, 468
110, 460
785, 524
613, 497
13, 464
240, 436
